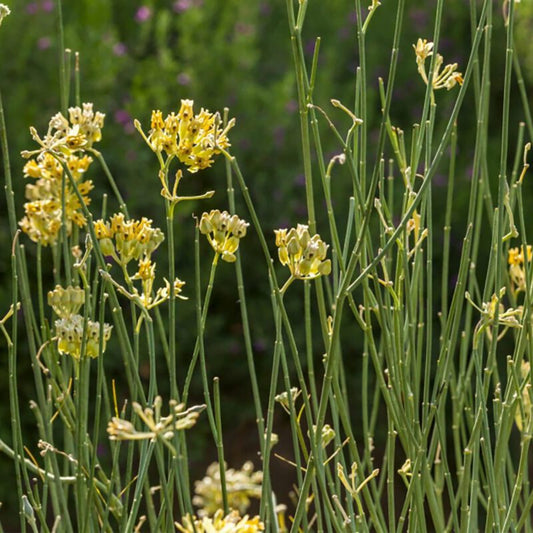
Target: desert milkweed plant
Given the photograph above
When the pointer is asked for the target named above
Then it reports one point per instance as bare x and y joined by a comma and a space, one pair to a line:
401, 336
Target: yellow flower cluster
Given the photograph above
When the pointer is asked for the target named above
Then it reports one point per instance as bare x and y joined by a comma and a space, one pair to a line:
446, 78
232, 523
304, 255
71, 328
193, 139
223, 232
80, 131
72, 331
146, 273
125, 240
43, 211
157, 426
66, 302
241, 486
516, 260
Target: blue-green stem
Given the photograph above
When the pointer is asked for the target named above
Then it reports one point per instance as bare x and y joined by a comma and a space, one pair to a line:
244, 314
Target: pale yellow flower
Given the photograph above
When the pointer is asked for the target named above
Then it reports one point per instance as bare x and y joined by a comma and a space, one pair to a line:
66, 302
194, 139
232, 523
443, 77
43, 211
72, 332
241, 486
156, 425
304, 255
224, 232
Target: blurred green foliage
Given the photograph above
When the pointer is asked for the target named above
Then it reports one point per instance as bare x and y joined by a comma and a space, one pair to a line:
135, 57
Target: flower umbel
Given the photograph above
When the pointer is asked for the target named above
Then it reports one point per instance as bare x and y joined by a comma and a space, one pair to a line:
125, 240
79, 132
304, 255
493, 313
241, 486
66, 302
223, 232
516, 259
446, 77
75, 335
157, 426
72, 332
43, 212
193, 139
232, 523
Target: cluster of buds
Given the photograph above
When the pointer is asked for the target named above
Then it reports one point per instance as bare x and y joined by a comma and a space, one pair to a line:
241, 486
157, 426
494, 313
146, 274
43, 211
66, 302
193, 139
223, 232
443, 78
80, 131
125, 240
327, 434
74, 333
517, 257
350, 481
304, 255
283, 398
232, 523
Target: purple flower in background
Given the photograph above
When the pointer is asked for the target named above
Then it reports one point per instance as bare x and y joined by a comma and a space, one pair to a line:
47, 5
344, 33
183, 78
440, 180
101, 450
264, 8
43, 43
244, 29
120, 49
260, 345
143, 14
291, 106
123, 117
309, 48
300, 180
300, 210
419, 18
182, 5
279, 136
32, 8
